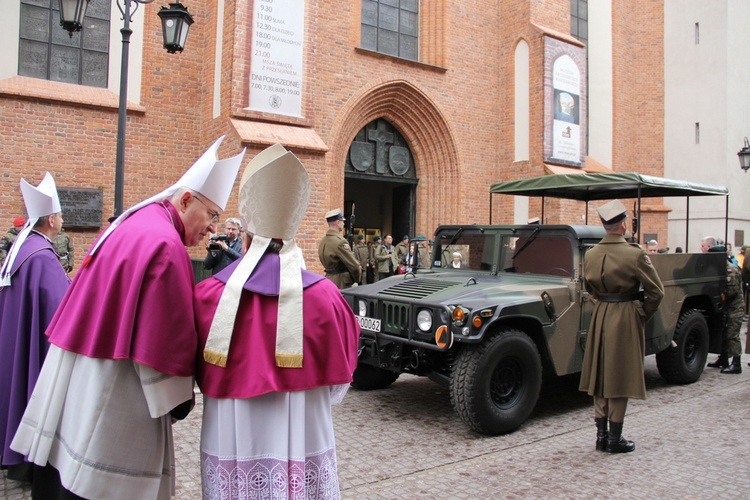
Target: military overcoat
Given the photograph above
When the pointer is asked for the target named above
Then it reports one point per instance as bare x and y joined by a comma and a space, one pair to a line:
341, 266
615, 348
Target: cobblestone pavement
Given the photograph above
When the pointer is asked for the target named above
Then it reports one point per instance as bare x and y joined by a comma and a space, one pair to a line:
406, 442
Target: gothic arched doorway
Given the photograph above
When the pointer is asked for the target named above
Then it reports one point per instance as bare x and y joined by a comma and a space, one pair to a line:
380, 182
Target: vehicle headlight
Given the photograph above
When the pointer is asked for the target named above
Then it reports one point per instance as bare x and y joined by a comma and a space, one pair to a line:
362, 306
424, 320
459, 315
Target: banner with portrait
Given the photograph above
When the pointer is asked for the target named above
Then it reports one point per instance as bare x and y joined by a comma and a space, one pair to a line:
565, 103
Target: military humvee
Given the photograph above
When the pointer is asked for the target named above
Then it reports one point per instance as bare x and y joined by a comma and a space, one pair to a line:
517, 307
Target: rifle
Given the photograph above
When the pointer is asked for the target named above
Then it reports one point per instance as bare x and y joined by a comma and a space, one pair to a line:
350, 236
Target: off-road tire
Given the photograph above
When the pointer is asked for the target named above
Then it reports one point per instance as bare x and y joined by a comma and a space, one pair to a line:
370, 378
495, 385
684, 364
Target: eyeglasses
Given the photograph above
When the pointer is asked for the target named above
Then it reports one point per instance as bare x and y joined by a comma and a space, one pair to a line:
215, 216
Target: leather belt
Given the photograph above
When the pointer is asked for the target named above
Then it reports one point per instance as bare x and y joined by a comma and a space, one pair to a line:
618, 298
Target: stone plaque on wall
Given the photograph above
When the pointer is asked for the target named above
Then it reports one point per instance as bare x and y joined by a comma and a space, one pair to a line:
81, 208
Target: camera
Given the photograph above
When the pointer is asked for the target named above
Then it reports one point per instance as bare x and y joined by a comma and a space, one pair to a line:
212, 245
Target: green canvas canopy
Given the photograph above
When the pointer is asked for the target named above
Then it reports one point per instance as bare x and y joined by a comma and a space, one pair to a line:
629, 185
588, 187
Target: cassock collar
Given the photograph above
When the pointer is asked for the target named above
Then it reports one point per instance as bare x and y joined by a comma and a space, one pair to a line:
265, 277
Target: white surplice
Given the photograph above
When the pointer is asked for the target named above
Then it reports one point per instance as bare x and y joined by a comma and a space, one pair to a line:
276, 446
104, 425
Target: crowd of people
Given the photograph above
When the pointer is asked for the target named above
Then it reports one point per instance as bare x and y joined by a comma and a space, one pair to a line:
372, 260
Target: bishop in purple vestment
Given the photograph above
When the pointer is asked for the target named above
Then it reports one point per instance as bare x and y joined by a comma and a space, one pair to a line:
33, 286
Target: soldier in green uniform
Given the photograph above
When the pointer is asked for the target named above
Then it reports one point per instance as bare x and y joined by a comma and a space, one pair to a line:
612, 370
362, 252
374, 248
7, 240
65, 252
334, 252
734, 313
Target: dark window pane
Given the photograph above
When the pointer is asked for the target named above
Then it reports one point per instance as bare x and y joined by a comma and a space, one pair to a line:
409, 48
583, 29
574, 27
409, 23
98, 10
34, 23
64, 64
62, 37
398, 27
94, 69
583, 9
410, 5
388, 42
388, 18
40, 3
47, 51
369, 13
32, 59
96, 35
369, 37
574, 8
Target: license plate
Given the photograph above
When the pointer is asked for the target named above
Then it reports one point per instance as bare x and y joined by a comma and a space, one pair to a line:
370, 324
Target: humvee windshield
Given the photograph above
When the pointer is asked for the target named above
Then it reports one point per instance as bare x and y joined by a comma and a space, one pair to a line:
524, 251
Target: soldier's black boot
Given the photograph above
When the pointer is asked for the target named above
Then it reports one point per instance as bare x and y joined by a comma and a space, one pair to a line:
601, 434
735, 367
721, 362
615, 442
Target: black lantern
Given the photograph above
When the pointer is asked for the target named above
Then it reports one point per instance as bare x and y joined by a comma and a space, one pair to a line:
71, 15
175, 23
744, 156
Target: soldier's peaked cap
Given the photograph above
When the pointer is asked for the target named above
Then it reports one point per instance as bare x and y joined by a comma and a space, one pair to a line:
613, 211
334, 214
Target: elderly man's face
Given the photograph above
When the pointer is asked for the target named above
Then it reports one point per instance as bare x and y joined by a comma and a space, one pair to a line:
200, 217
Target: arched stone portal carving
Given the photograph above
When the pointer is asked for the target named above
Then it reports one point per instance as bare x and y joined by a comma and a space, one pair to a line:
429, 138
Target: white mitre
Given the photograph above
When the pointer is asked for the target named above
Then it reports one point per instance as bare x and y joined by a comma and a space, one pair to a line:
209, 176
273, 199
40, 201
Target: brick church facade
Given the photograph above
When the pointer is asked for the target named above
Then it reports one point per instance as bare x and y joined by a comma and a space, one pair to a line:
407, 111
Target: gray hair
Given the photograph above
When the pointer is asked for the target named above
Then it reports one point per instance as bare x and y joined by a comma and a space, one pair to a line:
233, 220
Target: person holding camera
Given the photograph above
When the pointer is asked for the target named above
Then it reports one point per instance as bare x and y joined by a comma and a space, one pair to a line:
223, 249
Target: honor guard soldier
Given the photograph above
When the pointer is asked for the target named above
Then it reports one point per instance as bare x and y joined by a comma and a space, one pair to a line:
612, 371
334, 252
362, 252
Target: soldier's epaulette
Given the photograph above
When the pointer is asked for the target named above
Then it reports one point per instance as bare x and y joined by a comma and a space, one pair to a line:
634, 244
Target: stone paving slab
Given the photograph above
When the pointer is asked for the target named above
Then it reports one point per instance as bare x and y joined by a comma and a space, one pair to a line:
406, 441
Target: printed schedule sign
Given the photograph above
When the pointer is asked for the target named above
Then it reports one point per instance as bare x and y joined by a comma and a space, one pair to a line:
277, 57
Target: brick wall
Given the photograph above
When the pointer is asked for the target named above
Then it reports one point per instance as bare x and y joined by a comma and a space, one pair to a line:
456, 112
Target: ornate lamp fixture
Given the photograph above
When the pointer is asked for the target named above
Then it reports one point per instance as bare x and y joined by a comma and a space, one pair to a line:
744, 156
175, 22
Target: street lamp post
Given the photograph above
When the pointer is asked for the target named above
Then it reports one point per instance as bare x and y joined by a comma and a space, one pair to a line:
176, 20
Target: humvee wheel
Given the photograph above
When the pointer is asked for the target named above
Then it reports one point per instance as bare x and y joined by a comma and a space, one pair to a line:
495, 385
370, 378
684, 364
